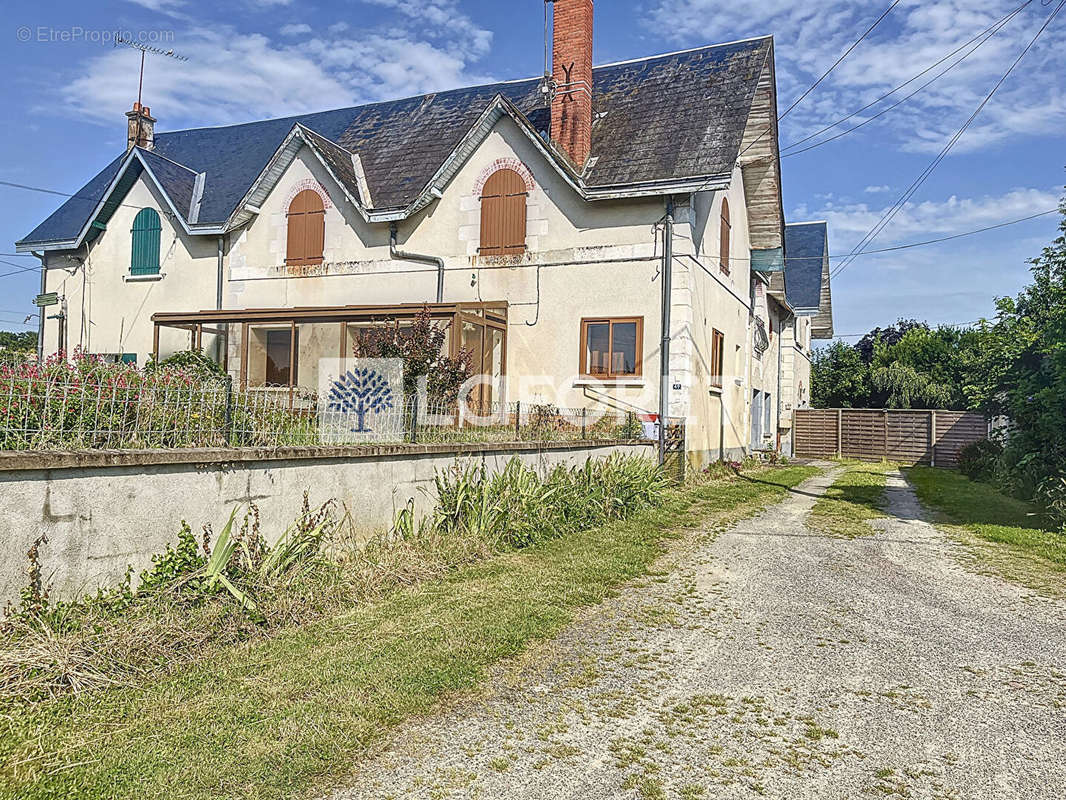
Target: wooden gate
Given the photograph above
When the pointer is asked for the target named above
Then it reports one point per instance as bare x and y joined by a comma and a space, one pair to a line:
902, 435
674, 451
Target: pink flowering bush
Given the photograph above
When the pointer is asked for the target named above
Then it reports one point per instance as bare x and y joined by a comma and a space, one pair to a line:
82, 402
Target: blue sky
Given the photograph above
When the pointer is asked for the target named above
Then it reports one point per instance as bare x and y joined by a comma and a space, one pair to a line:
67, 89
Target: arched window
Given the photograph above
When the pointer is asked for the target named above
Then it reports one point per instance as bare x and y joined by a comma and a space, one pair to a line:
723, 246
146, 229
503, 214
307, 229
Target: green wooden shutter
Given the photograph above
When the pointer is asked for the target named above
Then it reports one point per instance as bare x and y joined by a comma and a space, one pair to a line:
146, 231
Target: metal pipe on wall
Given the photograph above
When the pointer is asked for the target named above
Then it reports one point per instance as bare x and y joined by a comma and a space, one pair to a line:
40, 309
780, 365
218, 281
400, 255
664, 347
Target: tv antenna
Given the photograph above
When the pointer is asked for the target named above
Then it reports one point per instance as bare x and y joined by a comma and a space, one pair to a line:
147, 48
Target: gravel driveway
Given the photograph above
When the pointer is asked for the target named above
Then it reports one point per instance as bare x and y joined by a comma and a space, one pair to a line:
770, 661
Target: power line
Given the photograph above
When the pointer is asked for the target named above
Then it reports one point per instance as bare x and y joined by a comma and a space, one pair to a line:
75, 196
897, 207
837, 63
813, 86
20, 268
949, 238
983, 36
18, 272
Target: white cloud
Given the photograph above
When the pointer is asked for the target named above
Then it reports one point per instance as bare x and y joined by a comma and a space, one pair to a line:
295, 29
809, 37
953, 281
877, 189
164, 6
848, 224
233, 77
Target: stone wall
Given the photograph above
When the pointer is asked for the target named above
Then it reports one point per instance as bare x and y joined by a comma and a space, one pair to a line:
102, 511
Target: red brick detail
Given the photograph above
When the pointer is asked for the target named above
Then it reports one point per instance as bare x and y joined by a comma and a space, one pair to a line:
572, 68
503, 163
314, 186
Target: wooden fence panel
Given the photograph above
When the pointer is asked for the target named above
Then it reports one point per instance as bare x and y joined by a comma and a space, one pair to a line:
901, 435
909, 437
816, 433
863, 434
955, 430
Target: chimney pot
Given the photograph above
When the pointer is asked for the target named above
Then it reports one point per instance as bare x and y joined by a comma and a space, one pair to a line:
140, 128
571, 128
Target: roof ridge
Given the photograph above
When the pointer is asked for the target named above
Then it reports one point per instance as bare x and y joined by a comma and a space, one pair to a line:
510, 82
171, 160
333, 142
809, 222
682, 52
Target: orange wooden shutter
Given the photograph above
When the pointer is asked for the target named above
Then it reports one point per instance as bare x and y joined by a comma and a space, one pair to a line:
307, 229
503, 214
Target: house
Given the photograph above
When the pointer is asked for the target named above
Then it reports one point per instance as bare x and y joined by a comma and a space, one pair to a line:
552, 223
811, 300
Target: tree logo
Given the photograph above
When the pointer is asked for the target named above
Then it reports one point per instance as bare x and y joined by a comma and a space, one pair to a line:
361, 399
361, 392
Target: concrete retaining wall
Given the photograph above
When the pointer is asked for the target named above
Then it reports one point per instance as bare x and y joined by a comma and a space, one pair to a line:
105, 510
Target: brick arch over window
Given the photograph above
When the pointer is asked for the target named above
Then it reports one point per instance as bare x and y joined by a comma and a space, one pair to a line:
504, 163
307, 229
314, 186
503, 214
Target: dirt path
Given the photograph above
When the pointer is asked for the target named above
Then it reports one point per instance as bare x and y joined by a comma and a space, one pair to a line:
770, 661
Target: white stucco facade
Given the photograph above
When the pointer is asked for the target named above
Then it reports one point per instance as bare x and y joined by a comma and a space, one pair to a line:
584, 259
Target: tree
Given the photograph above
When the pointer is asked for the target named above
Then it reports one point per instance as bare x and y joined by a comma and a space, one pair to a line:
17, 346
361, 392
1021, 373
923, 368
839, 378
886, 336
421, 347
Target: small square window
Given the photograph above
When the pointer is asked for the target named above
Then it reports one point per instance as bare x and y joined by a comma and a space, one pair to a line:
612, 348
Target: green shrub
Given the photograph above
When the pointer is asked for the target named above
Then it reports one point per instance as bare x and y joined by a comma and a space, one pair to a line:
978, 460
516, 508
191, 362
1052, 497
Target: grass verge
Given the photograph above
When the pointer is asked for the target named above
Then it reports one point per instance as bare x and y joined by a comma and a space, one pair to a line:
855, 498
275, 717
1005, 534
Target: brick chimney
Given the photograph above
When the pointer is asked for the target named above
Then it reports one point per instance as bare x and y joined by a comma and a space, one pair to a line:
572, 69
140, 128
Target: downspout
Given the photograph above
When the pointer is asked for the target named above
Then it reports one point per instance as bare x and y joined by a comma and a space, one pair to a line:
780, 365
218, 281
40, 309
664, 347
400, 255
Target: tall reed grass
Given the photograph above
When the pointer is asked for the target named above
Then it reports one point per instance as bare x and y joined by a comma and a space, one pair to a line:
202, 595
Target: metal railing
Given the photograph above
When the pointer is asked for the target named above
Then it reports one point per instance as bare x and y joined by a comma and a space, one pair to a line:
75, 413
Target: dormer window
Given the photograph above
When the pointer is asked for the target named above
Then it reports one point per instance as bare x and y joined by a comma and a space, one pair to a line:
503, 214
307, 229
144, 259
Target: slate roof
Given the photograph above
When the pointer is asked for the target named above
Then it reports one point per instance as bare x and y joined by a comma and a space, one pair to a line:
805, 251
672, 117
177, 181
